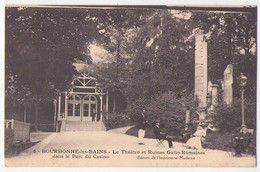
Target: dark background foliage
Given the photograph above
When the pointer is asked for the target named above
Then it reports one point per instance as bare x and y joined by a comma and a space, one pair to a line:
228, 117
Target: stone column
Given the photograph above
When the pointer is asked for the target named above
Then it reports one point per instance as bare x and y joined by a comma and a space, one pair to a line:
201, 72
187, 117
209, 95
209, 88
214, 94
209, 99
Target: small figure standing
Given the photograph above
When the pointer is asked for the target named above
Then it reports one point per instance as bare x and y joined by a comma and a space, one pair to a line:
160, 135
141, 127
93, 114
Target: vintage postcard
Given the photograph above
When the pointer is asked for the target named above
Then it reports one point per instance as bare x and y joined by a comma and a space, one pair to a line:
164, 86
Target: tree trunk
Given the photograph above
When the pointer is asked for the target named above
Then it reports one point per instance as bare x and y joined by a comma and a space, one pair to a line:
247, 44
229, 40
118, 57
55, 113
36, 117
114, 103
29, 113
24, 113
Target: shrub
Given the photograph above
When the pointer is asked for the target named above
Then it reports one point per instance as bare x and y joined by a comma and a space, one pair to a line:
228, 117
135, 108
170, 111
9, 141
116, 120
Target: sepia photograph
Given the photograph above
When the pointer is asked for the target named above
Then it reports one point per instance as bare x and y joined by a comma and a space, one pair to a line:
130, 86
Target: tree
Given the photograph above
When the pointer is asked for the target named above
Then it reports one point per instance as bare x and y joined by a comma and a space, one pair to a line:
170, 111
231, 40
139, 69
118, 26
164, 59
41, 64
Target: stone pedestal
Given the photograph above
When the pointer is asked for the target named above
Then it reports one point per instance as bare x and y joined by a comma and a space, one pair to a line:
214, 94
209, 99
202, 114
209, 95
187, 117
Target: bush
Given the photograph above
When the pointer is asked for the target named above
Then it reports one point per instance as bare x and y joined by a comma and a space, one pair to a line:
218, 140
117, 120
9, 141
170, 111
135, 108
228, 117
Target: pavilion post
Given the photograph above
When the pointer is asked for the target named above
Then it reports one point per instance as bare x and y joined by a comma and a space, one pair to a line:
101, 107
107, 106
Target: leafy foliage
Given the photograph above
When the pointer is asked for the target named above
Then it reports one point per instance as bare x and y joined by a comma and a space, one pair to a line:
40, 53
228, 117
135, 108
163, 55
117, 120
44, 54
170, 111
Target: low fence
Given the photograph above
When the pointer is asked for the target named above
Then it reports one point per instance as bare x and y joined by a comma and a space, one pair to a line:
21, 129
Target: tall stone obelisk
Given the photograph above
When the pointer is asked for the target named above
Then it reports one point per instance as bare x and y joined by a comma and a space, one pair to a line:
227, 94
201, 72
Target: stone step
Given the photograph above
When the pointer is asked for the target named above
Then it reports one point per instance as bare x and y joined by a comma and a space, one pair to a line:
84, 129
88, 122
84, 126
83, 122
100, 124
80, 125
